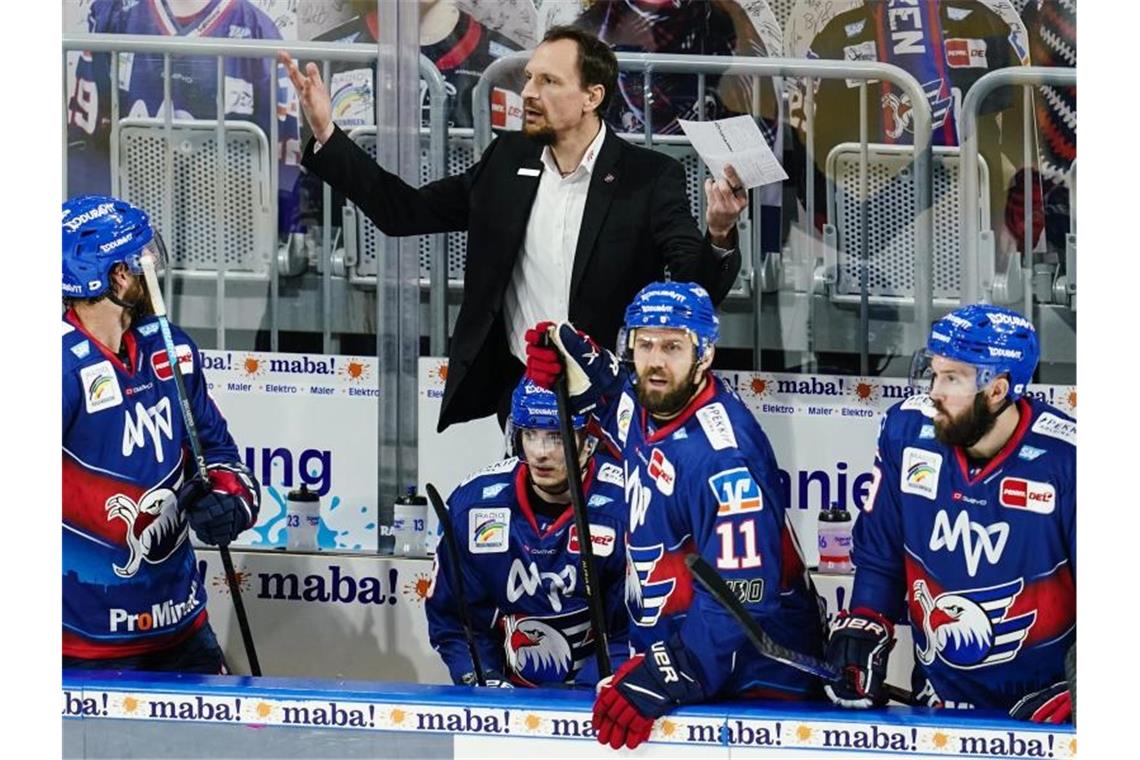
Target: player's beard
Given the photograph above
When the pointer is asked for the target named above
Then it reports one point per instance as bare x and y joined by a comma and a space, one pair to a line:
669, 402
135, 301
969, 427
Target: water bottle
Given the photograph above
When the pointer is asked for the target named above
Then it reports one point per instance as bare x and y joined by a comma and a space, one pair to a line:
835, 541
409, 524
302, 519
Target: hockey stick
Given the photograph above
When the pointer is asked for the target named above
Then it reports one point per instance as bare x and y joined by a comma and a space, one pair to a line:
442, 515
159, 306
585, 544
764, 644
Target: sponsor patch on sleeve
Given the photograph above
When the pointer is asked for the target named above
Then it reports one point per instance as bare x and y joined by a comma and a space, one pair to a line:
714, 421
919, 402
1055, 427
612, 474
624, 417
505, 465
736, 491
488, 530
160, 362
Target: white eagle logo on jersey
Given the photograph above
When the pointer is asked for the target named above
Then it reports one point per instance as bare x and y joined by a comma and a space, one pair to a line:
155, 527
969, 629
536, 651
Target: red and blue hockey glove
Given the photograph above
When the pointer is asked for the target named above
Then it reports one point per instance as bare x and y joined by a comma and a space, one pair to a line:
861, 641
592, 372
1053, 704
221, 509
543, 362
644, 688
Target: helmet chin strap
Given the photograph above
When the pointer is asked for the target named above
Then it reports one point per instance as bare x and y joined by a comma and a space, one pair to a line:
128, 305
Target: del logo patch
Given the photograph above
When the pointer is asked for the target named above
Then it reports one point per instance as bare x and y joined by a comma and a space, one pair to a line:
602, 537
662, 472
1032, 495
920, 469
488, 530
161, 362
100, 386
736, 491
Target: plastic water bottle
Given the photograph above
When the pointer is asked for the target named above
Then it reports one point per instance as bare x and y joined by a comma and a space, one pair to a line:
835, 541
409, 524
302, 519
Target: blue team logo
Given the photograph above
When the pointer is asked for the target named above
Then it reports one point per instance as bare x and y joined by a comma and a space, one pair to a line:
970, 629
647, 592
548, 648
736, 491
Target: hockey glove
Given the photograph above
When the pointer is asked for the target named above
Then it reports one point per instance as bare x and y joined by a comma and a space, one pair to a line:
543, 362
592, 372
491, 680
861, 641
644, 688
1052, 704
221, 509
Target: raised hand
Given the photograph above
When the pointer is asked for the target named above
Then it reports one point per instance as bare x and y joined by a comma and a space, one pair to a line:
313, 95
726, 199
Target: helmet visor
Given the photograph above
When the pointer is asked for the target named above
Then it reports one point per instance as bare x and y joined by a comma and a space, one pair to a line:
155, 250
938, 375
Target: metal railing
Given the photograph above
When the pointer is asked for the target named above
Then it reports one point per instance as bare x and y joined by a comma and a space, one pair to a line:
704, 65
978, 265
326, 53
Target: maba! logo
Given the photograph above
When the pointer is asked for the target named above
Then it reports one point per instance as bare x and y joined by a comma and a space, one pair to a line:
866, 391
355, 370
760, 386
416, 590
252, 366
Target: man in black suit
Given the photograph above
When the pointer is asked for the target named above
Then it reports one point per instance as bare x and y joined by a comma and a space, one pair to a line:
564, 221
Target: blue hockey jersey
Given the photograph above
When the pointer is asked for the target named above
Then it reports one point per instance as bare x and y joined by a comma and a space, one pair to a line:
247, 83
130, 582
707, 482
521, 575
984, 563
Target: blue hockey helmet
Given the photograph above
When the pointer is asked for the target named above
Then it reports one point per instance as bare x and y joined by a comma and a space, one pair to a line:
993, 339
681, 305
99, 232
534, 408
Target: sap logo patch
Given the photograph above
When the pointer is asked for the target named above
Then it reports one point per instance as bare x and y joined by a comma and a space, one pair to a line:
490, 492
680, 435
736, 491
920, 471
853, 29
612, 474
926, 431
161, 363
149, 329
488, 530
1033, 495
662, 472
1029, 453
602, 538
100, 387
597, 500
1056, 427
964, 53
81, 349
714, 421
624, 416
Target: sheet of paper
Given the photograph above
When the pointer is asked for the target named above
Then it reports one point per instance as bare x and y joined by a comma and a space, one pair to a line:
737, 141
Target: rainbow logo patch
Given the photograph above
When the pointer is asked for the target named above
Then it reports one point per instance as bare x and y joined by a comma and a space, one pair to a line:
488, 530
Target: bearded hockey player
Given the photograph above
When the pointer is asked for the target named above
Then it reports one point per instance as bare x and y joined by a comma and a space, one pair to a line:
700, 476
971, 520
520, 558
132, 598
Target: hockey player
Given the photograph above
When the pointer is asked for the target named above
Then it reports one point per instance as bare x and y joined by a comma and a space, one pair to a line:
132, 597
700, 476
520, 558
971, 520
248, 83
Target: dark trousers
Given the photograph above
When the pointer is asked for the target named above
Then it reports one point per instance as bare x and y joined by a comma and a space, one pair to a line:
198, 654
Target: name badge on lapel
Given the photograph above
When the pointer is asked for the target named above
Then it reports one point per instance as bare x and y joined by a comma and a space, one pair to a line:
525, 172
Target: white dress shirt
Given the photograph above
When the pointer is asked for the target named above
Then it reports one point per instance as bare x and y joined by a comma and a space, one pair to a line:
540, 284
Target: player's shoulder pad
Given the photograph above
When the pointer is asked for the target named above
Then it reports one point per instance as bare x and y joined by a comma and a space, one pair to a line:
608, 482
152, 347
716, 423
501, 471
1052, 423
910, 419
77, 348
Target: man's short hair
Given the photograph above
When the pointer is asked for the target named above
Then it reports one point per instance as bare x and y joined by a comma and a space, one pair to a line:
597, 64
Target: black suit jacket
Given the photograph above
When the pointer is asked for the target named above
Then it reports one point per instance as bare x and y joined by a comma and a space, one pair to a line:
635, 224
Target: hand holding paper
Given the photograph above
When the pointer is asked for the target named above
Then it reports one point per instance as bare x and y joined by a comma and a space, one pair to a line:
738, 141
